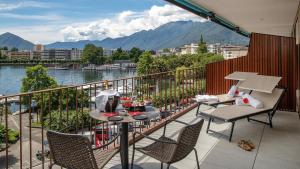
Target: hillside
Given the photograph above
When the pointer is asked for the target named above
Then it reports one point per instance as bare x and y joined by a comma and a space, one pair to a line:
172, 34
10, 40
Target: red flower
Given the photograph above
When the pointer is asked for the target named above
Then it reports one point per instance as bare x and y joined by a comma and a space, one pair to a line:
125, 98
236, 92
246, 100
127, 105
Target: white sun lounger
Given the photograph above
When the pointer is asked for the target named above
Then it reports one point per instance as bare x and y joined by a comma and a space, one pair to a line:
232, 113
224, 98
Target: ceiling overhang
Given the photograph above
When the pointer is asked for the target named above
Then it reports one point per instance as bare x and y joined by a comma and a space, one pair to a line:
274, 17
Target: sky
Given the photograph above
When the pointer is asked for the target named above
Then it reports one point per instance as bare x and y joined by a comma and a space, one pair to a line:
47, 21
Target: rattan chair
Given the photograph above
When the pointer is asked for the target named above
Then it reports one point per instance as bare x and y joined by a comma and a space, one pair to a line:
169, 151
75, 151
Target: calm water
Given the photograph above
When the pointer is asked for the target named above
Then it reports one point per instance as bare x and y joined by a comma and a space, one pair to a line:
11, 77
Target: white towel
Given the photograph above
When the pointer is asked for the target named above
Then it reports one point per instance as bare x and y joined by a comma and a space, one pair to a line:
232, 91
239, 101
253, 102
206, 98
102, 98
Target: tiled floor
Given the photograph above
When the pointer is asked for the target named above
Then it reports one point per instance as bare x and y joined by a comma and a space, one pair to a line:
276, 148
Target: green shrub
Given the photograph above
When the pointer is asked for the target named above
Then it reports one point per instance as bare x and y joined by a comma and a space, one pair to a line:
67, 121
13, 135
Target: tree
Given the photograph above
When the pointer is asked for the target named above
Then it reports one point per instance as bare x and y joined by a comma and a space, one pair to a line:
14, 49
119, 54
144, 63
37, 79
134, 54
93, 54
202, 48
4, 48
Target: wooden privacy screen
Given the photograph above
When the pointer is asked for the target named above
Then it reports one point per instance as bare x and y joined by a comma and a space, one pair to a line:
267, 55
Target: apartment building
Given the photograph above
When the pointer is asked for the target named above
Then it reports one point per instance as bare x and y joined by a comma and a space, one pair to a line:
59, 54
76, 54
214, 48
189, 49
231, 52
19, 55
107, 52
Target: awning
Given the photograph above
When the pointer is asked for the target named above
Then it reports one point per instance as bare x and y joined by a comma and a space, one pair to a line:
274, 17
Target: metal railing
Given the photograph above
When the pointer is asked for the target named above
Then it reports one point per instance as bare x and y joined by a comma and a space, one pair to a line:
26, 117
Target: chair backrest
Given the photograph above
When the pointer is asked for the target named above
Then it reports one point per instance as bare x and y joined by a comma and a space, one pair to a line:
187, 140
71, 151
270, 100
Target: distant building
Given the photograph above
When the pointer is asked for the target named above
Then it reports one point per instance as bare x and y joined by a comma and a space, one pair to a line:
38, 48
58, 54
35, 55
107, 52
4, 53
76, 54
189, 49
231, 52
214, 48
163, 52
19, 55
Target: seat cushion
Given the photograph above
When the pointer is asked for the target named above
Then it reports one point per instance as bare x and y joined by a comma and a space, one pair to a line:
161, 151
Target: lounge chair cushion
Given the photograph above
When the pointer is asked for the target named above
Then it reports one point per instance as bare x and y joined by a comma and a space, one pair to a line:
233, 112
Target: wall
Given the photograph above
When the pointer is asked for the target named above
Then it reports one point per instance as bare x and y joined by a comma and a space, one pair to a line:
267, 55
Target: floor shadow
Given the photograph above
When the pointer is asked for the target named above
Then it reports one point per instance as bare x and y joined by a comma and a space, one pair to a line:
12, 160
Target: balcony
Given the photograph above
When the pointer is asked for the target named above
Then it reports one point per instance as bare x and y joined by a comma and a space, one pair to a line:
171, 93
32, 114
276, 148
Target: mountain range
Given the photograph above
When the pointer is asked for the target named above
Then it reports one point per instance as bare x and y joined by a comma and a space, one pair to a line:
173, 34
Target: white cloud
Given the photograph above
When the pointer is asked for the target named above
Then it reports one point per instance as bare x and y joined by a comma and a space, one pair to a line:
13, 6
47, 17
37, 34
127, 23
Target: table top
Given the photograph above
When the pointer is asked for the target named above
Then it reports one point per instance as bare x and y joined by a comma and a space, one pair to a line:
96, 114
240, 75
150, 113
260, 83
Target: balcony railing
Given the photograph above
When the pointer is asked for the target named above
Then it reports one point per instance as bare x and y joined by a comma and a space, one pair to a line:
26, 117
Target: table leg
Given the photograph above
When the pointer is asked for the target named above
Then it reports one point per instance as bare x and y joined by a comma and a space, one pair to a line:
124, 146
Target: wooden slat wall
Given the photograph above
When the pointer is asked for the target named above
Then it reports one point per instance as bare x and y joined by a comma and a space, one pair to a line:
267, 55
298, 71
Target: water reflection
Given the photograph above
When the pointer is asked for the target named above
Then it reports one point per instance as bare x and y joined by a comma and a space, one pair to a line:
11, 77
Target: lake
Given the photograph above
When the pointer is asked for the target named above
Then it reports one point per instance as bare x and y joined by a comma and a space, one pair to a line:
11, 77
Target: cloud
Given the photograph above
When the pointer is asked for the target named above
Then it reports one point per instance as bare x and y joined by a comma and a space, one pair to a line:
47, 17
13, 6
37, 34
127, 23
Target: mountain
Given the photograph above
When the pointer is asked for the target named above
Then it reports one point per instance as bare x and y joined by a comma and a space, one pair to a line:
173, 34
10, 40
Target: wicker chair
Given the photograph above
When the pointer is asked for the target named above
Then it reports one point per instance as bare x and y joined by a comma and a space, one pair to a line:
170, 151
75, 151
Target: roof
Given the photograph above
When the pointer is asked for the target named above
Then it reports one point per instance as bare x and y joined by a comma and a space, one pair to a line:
274, 17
